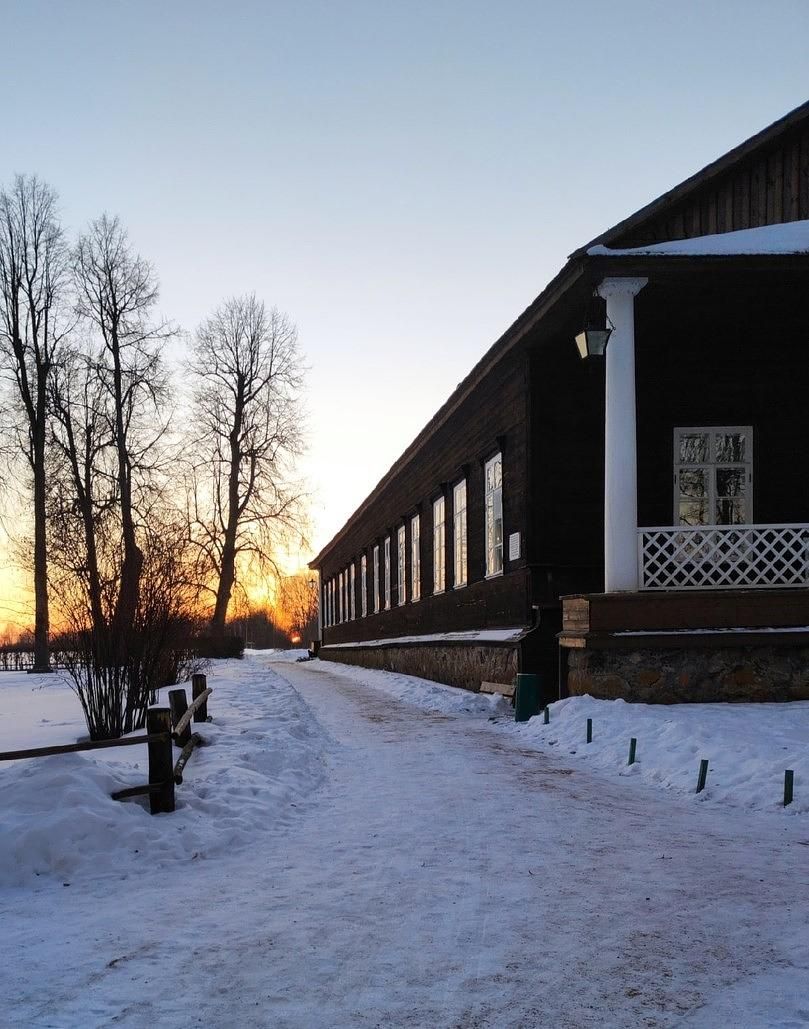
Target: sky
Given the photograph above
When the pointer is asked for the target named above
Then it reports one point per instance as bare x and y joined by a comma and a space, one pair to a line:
401, 178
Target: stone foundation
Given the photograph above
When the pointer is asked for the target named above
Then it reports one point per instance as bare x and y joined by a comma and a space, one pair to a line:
464, 665
755, 673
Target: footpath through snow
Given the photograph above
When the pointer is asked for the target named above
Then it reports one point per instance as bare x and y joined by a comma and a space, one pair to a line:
437, 869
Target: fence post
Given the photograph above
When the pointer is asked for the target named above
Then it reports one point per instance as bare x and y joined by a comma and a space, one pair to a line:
161, 767
199, 684
179, 705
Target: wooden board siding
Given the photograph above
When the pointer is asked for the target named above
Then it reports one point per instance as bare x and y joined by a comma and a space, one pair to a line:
493, 417
766, 187
708, 609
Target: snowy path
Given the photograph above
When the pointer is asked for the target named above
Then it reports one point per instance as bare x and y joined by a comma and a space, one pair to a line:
441, 876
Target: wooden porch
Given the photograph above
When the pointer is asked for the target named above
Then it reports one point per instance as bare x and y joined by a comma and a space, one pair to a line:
685, 619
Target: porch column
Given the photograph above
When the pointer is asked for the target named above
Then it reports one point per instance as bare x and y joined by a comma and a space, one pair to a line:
621, 464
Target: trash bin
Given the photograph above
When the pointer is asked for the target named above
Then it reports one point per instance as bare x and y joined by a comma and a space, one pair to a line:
526, 696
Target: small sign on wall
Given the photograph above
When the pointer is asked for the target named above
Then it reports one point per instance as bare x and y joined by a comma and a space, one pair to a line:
514, 547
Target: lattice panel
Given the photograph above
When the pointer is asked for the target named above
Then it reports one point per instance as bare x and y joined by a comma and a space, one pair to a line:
724, 557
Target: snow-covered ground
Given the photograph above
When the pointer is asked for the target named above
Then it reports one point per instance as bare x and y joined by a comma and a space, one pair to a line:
356, 848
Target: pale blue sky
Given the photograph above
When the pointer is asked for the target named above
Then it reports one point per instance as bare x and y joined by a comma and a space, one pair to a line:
401, 178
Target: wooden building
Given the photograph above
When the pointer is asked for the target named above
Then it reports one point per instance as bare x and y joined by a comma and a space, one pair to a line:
645, 514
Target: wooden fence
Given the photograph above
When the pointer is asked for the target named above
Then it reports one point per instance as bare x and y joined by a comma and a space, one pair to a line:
166, 727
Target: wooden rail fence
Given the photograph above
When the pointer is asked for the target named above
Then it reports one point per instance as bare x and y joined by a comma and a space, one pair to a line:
165, 727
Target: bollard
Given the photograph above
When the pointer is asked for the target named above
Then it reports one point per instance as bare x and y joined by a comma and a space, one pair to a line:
161, 767
632, 745
789, 780
179, 706
526, 696
546, 716
703, 775
199, 684
589, 730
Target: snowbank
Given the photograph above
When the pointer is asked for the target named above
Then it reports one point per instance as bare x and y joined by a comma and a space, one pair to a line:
264, 756
748, 746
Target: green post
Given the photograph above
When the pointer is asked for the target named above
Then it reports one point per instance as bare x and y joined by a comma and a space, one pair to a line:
589, 730
789, 779
632, 745
703, 775
526, 696
546, 716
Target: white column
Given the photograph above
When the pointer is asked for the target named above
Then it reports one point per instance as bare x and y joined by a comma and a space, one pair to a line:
621, 462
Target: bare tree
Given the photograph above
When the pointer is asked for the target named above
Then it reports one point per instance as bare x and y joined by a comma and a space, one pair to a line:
117, 292
246, 370
33, 277
297, 605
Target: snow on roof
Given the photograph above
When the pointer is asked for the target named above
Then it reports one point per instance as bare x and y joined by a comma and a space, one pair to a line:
789, 238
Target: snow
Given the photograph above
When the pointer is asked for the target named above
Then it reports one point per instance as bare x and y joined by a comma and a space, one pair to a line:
377, 851
787, 238
262, 754
470, 636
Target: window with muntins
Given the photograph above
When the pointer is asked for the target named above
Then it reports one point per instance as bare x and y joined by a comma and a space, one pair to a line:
376, 579
713, 475
352, 591
387, 573
439, 546
415, 558
363, 586
401, 564
459, 533
493, 479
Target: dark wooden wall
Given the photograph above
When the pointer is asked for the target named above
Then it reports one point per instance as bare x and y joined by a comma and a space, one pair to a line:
769, 186
567, 456
494, 416
712, 352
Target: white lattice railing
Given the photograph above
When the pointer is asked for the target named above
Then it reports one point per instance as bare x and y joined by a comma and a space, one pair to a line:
715, 557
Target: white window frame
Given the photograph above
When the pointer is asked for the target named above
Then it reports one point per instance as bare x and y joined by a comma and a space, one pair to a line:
493, 502
712, 464
363, 586
352, 595
460, 558
415, 558
376, 578
387, 573
401, 564
340, 598
439, 545
331, 601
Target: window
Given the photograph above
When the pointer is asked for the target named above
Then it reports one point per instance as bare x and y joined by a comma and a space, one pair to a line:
401, 554
363, 586
340, 595
493, 477
415, 558
387, 573
352, 592
439, 545
459, 533
713, 475
376, 579
330, 600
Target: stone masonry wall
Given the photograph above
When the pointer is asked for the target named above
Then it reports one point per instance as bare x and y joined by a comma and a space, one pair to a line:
465, 666
696, 675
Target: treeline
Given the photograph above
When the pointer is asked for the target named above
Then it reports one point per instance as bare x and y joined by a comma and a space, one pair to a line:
144, 525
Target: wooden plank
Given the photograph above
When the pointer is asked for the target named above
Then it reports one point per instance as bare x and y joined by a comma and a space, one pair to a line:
78, 748
504, 689
184, 722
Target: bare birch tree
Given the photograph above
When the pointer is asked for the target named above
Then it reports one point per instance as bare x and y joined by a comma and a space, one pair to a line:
33, 279
247, 376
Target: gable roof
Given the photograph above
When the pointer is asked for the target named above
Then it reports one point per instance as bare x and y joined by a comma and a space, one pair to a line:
701, 179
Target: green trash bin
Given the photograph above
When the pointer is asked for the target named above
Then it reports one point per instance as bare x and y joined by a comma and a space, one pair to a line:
526, 696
